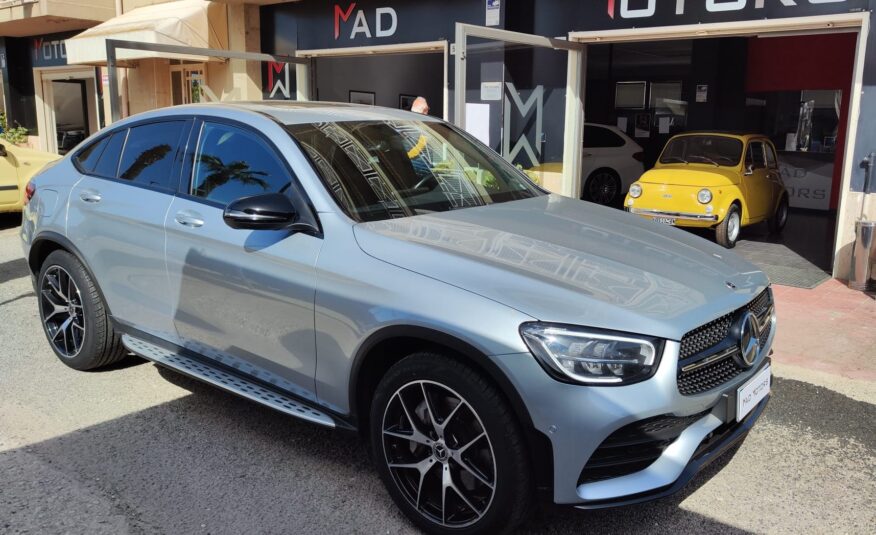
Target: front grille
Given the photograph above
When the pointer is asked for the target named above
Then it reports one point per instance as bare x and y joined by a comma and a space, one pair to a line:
714, 336
706, 336
760, 303
634, 447
709, 376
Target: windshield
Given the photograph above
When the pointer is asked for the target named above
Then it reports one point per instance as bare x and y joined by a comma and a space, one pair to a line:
714, 150
388, 169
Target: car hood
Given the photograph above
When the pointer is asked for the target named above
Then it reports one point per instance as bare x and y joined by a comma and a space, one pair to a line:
567, 261
693, 175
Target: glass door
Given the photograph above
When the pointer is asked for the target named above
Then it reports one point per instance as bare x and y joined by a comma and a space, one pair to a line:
522, 95
187, 83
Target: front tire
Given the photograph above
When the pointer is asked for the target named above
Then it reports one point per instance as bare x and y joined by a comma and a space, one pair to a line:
449, 449
727, 232
74, 316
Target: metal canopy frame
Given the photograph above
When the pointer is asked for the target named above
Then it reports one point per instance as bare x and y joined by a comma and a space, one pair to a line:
115, 44
573, 138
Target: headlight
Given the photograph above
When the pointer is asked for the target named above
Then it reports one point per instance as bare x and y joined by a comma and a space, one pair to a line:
635, 191
704, 196
577, 354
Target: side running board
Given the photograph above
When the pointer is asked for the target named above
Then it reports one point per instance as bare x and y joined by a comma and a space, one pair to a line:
226, 381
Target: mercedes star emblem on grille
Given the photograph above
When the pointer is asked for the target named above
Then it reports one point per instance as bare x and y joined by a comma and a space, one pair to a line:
749, 339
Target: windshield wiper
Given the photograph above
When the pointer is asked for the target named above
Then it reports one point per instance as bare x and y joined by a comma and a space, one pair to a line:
706, 158
679, 158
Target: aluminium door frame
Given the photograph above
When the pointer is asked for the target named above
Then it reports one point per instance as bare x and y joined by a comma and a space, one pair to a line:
573, 138
48, 137
420, 47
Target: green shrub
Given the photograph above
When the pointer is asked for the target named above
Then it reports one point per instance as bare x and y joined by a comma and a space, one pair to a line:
16, 135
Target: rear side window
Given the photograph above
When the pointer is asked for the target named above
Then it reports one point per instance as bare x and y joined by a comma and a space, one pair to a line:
231, 163
88, 157
598, 137
108, 164
149, 152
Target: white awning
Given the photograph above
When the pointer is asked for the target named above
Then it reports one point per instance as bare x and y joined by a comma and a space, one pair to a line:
195, 23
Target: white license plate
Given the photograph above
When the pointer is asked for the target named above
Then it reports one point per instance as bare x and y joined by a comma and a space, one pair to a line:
752, 393
665, 220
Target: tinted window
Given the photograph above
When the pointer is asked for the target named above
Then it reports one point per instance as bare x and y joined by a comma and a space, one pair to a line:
231, 163
714, 150
88, 157
598, 137
149, 153
755, 155
390, 169
108, 165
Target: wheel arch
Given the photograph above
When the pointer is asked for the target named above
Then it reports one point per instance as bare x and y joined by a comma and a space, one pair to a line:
391, 344
48, 242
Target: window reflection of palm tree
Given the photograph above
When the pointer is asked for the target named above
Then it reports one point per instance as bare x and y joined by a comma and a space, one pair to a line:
219, 174
144, 160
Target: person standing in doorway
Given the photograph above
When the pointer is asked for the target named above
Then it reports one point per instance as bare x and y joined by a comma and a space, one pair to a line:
420, 105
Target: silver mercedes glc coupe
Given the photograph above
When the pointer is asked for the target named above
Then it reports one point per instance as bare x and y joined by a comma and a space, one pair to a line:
382, 272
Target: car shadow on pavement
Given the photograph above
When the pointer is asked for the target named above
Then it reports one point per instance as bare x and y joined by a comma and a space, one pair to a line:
10, 220
13, 269
209, 462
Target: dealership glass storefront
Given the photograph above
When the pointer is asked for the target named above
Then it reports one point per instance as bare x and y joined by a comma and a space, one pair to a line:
534, 72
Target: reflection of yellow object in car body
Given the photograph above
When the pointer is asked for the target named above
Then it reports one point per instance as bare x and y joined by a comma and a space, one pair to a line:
713, 180
17, 166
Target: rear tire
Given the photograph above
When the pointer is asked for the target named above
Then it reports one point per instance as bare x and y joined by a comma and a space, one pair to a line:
74, 316
603, 186
780, 217
491, 489
727, 232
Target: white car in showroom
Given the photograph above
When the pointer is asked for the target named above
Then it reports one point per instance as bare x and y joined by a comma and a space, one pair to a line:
612, 161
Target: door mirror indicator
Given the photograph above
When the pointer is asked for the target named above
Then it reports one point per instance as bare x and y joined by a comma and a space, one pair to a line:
271, 211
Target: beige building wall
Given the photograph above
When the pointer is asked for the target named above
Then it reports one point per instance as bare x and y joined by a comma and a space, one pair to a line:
238, 79
147, 86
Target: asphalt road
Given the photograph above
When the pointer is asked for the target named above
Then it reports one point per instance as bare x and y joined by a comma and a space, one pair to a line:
137, 449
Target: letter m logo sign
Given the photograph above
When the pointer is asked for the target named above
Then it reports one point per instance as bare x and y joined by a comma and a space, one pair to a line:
341, 15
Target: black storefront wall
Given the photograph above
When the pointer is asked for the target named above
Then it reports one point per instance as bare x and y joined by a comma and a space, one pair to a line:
22, 56
18, 89
315, 24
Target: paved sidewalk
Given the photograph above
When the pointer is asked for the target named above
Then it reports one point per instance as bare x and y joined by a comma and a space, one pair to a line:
829, 329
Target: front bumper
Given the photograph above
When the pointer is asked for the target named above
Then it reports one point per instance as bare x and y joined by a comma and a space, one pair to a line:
687, 216
577, 420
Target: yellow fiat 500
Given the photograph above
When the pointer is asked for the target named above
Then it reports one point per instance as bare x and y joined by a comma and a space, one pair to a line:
17, 166
713, 180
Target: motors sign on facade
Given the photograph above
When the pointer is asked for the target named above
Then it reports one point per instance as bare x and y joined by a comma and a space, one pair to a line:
384, 21
636, 9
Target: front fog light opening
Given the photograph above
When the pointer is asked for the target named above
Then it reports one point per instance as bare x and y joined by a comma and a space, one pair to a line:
580, 355
704, 196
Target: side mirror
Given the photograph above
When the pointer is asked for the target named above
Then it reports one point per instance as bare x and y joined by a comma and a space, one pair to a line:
3, 153
749, 169
271, 211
